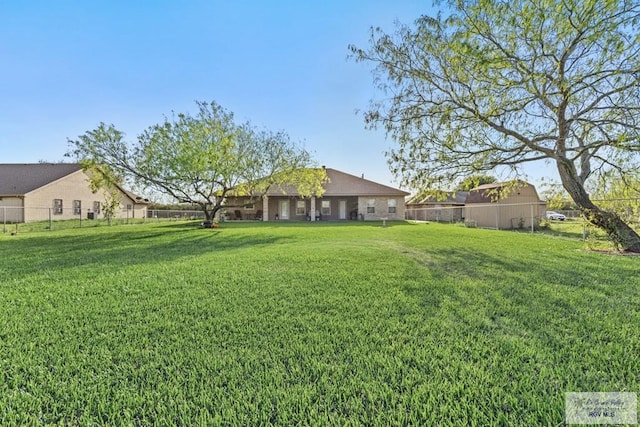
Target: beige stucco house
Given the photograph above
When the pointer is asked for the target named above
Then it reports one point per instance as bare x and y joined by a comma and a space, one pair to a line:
504, 205
43, 191
345, 197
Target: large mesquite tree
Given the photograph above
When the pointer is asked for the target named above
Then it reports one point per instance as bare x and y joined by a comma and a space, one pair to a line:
200, 159
504, 83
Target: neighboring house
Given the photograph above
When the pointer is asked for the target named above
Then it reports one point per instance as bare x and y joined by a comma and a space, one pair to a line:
345, 197
449, 208
42, 191
492, 206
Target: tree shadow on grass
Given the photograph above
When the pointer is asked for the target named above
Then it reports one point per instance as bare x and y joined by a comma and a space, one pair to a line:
117, 248
571, 269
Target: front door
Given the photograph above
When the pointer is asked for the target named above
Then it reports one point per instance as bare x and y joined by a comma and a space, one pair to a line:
342, 209
284, 209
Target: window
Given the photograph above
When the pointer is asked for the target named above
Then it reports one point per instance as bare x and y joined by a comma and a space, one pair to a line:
371, 206
129, 206
300, 207
77, 207
249, 207
96, 207
325, 207
57, 206
391, 203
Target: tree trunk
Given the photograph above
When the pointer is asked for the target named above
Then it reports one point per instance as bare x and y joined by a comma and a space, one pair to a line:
208, 214
619, 232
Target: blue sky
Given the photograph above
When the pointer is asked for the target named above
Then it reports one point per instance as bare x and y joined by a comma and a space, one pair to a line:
68, 65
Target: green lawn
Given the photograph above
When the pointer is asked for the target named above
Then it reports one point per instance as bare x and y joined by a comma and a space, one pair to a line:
309, 324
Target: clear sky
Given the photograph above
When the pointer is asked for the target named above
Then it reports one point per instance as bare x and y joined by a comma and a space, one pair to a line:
68, 65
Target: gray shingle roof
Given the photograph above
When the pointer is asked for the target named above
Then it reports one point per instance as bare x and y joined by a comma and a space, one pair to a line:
344, 184
19, 179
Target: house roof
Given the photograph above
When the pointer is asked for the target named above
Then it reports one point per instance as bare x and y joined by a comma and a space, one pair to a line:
487, 193
344, 184
452, 198
18, 179
134, 197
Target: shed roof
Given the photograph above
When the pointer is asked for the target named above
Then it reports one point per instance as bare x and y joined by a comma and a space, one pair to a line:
17, 179
487, 193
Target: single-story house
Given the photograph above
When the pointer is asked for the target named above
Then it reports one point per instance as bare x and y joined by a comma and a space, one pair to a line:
445, 207
345, 197
505, 205
42, 191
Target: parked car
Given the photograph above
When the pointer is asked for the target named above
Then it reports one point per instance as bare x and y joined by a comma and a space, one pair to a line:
555, 216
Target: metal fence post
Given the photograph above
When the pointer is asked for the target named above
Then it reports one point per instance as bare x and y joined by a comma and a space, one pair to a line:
532, 218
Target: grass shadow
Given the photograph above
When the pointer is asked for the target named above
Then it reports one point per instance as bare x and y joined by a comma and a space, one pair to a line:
117, 248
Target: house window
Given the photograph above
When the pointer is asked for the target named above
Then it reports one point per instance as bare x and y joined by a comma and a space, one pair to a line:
77, 207
300, 207
57, 206
249, 207
391, 203
129, 207
371, 206
96, 207
325, 207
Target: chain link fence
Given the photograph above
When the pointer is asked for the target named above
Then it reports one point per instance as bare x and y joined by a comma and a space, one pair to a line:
496, 216
14, 219
516, 216
175, 214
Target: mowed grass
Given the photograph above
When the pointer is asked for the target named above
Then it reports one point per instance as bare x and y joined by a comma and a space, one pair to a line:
309, 324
